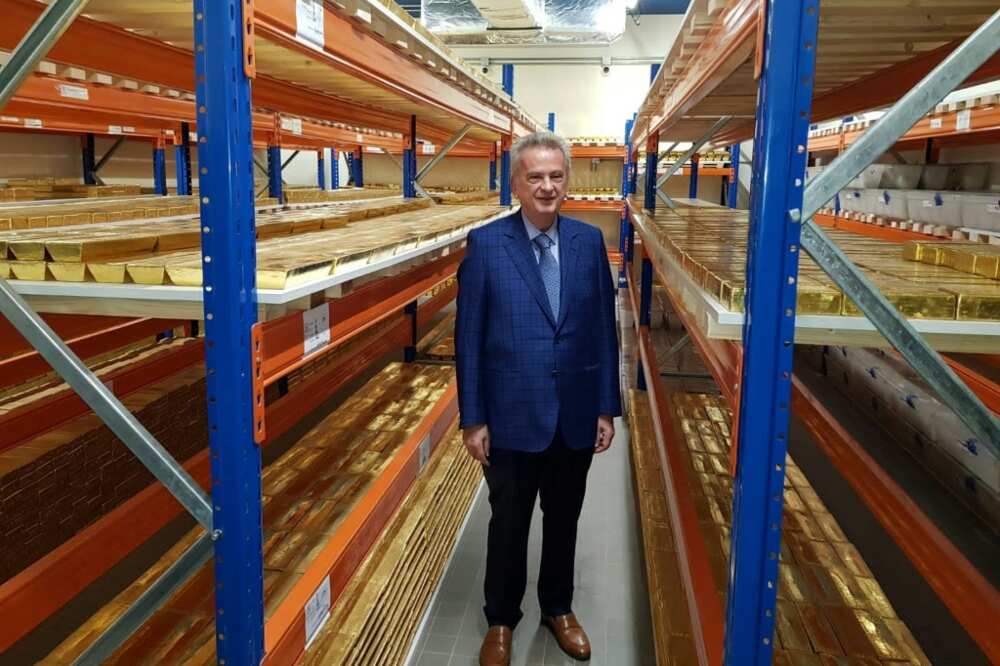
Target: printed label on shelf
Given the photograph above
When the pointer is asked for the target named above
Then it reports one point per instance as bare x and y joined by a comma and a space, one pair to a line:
936, 123
73, 92
114, 129
317, 610
33, 122
315, 328
309, 23
360, 137
424, 452
128, 129
293, 125
429, 149
963, 121
9, 119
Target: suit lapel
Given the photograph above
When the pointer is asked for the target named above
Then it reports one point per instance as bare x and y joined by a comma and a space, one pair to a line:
519, 248
568, 257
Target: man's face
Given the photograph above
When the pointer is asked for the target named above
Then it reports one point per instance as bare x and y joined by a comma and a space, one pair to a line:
540, 182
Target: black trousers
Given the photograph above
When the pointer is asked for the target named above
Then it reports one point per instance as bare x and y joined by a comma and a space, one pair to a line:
515, 478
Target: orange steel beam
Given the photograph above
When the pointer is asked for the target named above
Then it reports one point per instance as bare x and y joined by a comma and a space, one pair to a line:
704, 606
614, 205
710, 171
870, 230
980, 124
363, 56
33, 595
987, 390
600, 152
282, 340
65, 326
971, 598
24, 366
19, 425
284, 632
99, 46
435, 304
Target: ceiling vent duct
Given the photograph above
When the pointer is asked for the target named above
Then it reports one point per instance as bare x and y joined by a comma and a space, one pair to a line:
472, 22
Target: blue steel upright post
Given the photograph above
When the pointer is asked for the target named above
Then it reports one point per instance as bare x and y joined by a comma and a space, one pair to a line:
274, 189
693, 183
654, 69
225, 140
359, 167
88, 152
652, 146
159, 167
493, 168
623, 226
410, 161
734, 183
321, 169
552, 122
505, 192
779, 165
334, 169
507, 80
645, 307
182, 159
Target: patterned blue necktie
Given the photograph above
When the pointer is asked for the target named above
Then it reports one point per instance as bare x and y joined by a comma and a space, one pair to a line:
550, 271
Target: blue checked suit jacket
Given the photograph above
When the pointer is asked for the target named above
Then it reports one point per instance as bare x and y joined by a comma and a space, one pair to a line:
522, 369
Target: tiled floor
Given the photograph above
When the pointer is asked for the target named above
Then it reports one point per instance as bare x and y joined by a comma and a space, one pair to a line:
610, 600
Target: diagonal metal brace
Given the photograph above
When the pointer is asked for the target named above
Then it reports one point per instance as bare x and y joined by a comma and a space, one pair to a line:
452, 142
695, 147
677, 346
148, 603
99, 398
880, 138
665, 198
46, 31
665, 153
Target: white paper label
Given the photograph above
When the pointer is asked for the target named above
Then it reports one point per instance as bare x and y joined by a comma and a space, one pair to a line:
73, 92
963, 121
429, 148
927, 204
114, 129
128, 129
424, 452
317, 610
315, 328
309, 22
936, 123
360, 137
32, 122
994, 208
293, 125
9, 119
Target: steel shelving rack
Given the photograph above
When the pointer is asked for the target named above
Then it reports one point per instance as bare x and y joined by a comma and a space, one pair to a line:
766, 69
310, 63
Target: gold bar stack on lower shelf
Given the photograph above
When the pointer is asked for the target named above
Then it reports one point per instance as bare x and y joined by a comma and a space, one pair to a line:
439, 343
377, 617
95, 211
296, 195
710, 243
293, 245
34, 189
830, 607
458, 197
307, 492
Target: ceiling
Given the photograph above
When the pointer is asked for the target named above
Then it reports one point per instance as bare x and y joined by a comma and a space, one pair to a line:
645, 7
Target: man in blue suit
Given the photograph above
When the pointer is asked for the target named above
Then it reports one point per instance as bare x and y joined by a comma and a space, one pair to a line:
536, 347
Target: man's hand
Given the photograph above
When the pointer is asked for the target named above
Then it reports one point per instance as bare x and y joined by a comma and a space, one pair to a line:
477, 443
605, 433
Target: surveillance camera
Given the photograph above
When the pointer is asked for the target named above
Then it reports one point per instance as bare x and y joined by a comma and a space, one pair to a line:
484, 63
486, 69
605, 70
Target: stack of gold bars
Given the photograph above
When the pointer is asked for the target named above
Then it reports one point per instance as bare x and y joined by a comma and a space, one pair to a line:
294, 245
710, 243
830, 607
307, 493
294, 195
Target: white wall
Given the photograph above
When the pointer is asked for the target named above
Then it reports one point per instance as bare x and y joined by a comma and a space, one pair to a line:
586, 102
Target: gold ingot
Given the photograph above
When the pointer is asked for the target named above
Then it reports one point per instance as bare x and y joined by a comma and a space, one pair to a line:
977, 303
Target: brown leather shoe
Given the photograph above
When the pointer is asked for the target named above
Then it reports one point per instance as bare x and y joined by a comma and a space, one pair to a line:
496, 647
570, 635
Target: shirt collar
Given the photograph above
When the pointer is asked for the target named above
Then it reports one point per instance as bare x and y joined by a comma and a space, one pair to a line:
533, 231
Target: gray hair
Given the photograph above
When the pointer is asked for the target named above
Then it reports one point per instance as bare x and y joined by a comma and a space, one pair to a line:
546, 139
